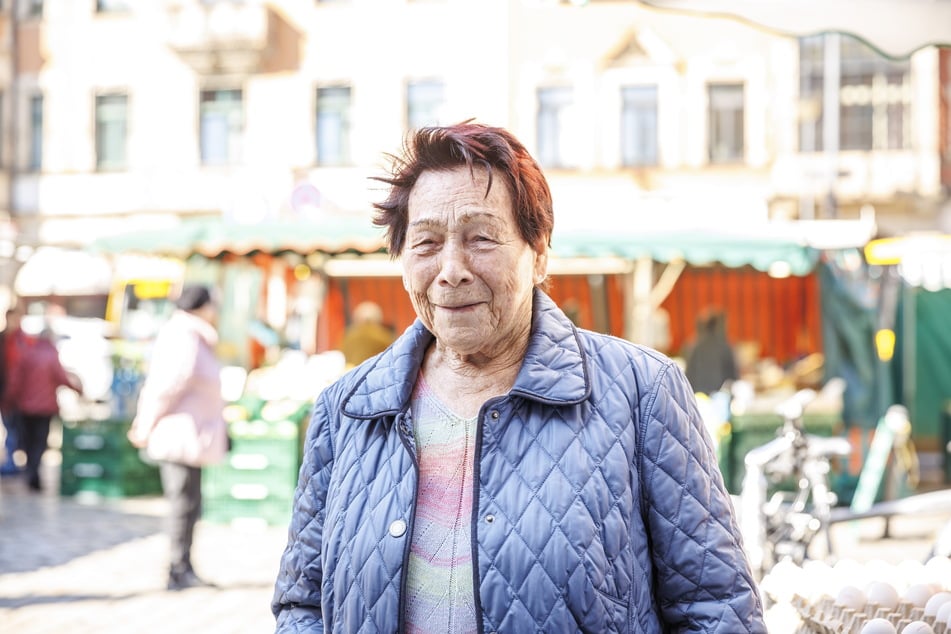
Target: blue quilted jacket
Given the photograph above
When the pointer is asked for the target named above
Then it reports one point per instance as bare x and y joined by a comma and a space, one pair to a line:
598, 505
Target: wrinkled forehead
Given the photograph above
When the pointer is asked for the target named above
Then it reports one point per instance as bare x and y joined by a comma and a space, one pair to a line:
459, 195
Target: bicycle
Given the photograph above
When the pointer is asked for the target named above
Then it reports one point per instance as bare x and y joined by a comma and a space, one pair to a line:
785, 524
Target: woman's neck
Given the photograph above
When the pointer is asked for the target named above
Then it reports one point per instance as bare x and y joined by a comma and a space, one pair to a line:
468, 381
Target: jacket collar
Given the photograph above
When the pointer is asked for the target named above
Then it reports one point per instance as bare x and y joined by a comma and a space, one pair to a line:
196, 324
554, 369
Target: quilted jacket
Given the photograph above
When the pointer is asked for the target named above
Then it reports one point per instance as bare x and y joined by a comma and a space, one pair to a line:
598, 505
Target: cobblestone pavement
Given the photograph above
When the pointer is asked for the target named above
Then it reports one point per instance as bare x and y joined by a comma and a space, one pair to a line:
99, 566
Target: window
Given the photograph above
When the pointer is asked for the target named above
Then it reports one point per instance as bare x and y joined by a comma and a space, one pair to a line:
112, 6
874, 95
333, 125
725, 123
111, 131
35, 160
221, 123
553, 105
424, 103
638, 126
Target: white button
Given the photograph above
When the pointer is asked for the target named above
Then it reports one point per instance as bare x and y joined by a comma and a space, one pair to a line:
397, 528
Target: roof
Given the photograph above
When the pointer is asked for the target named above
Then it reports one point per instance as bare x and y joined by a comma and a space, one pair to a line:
923, 22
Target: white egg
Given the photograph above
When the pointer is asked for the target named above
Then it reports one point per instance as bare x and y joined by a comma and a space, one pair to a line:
784, 580
879, 569
882, 594
817, 574
917, 627
849, 571
918, 594
944, 613
850, 597
910, 570
879, 626
938, 570
936, 601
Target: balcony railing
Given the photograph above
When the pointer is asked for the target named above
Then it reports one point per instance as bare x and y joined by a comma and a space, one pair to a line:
220, 37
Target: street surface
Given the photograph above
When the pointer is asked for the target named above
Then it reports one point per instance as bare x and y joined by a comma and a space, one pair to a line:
101, 567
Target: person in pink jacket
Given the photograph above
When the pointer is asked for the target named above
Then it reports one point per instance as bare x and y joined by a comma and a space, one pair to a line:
32, 389
179, 420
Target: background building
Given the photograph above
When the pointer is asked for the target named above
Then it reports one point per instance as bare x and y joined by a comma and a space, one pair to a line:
692, 148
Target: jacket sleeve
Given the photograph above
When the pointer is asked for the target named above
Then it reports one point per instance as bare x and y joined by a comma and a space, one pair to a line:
702, 575
297, 593
171, 368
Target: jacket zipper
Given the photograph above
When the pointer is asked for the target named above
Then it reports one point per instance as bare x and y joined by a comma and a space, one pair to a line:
404, 425
474, 527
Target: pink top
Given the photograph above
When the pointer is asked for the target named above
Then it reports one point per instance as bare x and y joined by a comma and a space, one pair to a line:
439, 579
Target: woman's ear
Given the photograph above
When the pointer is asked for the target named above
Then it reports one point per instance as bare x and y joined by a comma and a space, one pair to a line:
541, 267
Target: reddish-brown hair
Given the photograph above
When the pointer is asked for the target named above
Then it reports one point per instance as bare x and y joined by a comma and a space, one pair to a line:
473, 145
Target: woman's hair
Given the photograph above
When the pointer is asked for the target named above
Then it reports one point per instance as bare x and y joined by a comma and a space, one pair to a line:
472, 145
194, 296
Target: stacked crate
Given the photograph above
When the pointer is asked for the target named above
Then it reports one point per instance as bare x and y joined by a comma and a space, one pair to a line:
256, 481
98, 459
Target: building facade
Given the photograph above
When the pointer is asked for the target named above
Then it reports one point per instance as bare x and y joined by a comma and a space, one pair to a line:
121, 115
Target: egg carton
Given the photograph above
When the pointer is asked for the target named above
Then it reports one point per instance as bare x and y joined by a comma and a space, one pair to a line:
831, 616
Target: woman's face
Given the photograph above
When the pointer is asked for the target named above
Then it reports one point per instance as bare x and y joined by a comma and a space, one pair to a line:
467, 269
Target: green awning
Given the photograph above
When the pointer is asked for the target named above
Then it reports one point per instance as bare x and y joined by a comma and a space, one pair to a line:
214, 238
695, 246
796, 245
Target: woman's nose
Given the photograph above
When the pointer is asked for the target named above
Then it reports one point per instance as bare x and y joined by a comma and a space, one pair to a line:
454, 264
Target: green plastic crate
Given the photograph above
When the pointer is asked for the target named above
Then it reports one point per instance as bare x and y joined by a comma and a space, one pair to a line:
272, 511
226, 480
98, 458
110, 487
95, 435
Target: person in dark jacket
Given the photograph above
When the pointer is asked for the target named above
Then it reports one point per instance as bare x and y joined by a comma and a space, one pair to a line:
498, 469
711, 362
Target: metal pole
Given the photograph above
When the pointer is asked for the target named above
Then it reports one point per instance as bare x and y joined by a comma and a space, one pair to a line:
831, 80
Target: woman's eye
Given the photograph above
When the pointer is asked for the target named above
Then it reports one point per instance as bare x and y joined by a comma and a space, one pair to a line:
423, 243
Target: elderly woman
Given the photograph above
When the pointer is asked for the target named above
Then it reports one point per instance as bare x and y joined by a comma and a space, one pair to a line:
497, 469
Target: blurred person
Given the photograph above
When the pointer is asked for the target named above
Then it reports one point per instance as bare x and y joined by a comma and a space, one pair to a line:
180, 419
498, 468
12, 339
711, 363
366, 335
37, 375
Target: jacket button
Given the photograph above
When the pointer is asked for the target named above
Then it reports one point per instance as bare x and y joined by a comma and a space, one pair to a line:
489, 518
495, 414
397, 528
